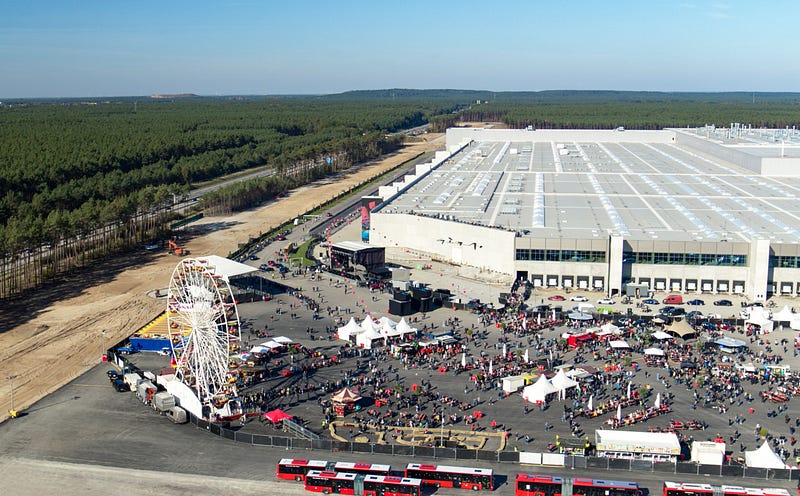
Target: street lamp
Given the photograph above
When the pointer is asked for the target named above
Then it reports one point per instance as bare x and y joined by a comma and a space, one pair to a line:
103, 344
12, 412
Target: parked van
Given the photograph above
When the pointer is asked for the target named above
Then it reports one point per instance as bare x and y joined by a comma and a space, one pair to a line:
673, 300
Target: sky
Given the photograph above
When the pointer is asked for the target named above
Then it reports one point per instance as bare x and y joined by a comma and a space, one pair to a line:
94, 48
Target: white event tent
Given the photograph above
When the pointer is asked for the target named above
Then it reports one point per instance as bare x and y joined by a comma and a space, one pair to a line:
539, 391
763, 457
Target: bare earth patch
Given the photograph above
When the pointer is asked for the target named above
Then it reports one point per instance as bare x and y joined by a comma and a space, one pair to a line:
63, 339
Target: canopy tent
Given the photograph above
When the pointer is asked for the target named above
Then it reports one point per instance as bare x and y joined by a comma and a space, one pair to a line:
272, 345
365, 339
276, 416
579, 316
654, 352
368, 324
661, 335
618, 344
681, 329
785, 315
761, 321
259, 349
562, 382
283, 340
538, 391
763, 457
348, 330
609, 328
729, 344
404, 328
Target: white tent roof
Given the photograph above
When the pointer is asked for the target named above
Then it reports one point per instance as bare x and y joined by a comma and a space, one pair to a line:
785, 315
560, 381
538, 391
618, 344
638, 442
763, 457
368, 324
761, 321
283, 340
661, 335
654, 351
272, 344
403, 327
226, 267
364, 339
349, 329
609, 328
259, 349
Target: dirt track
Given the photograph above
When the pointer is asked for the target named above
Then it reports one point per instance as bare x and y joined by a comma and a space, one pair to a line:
65, 338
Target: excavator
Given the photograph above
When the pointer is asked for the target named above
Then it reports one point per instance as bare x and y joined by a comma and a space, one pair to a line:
172, 247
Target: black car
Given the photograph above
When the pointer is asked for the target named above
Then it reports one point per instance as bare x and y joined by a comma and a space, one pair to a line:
120, 385
650, 301
677, 312
695, 302
666, 310
723, 303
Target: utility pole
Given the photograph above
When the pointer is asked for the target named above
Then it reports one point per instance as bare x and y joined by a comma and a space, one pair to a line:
12, 412
103, 344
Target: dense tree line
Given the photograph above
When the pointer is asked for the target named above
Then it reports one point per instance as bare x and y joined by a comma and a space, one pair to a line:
81, 181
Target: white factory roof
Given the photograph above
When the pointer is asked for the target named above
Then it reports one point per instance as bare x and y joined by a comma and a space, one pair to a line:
583, 189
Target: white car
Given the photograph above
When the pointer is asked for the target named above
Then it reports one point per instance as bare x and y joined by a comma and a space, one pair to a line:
579, 298
605, 301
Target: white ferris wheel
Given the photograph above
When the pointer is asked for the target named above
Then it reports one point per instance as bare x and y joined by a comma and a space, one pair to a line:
203, 325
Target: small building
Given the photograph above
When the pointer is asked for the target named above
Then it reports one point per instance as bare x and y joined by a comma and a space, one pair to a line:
708, 452
631, 445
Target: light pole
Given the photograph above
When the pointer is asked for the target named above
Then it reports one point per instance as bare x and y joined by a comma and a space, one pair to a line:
103, 344
12, 412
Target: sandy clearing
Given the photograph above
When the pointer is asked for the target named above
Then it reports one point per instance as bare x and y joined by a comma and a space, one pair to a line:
65, 339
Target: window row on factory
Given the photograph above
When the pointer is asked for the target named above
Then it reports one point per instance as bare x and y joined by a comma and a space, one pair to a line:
684, 259
560, 255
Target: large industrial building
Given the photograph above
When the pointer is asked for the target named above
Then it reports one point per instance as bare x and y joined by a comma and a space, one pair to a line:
685, 210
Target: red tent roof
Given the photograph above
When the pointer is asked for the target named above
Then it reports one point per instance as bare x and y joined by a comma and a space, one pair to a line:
276, 415
345, 395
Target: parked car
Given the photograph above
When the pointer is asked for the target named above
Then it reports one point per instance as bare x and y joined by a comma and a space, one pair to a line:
695, 302
605, 301
578, 298
694, 314
709, 326
650, 301
676, 312
556, 298
673, 300
723, 303
265, 268
666, 310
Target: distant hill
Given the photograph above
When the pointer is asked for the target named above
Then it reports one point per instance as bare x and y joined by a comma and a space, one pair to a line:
575, 96
176, 95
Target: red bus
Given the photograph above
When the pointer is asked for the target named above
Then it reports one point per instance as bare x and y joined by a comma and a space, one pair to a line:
361, 484
362, 468
685, 489
458, 477
546, 485
297, 468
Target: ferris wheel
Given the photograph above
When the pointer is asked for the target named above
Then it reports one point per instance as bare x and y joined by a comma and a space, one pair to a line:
203, 325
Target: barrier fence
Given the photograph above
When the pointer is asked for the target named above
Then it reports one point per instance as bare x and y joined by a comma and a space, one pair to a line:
448, 453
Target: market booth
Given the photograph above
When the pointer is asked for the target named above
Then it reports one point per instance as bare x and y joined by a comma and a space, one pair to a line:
633, 445
344, 401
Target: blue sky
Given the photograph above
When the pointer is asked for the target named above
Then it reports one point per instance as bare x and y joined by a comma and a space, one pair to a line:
115, 47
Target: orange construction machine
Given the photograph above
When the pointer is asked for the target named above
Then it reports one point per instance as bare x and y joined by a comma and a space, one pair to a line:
172, 247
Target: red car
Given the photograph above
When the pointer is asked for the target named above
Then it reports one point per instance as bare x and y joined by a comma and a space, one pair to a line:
556, 298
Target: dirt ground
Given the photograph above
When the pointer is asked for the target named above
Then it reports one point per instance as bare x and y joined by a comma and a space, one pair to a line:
60, 335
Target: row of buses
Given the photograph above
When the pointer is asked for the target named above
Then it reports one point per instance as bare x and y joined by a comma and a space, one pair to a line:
369, 479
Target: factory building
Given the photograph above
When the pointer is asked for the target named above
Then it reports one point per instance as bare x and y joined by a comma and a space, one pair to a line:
704, 210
